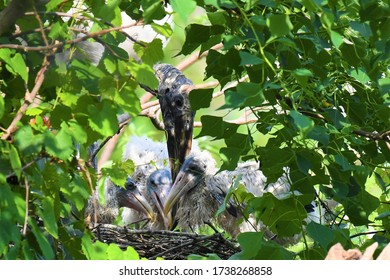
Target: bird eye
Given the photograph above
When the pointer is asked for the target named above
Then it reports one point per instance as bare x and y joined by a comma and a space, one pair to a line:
179, 102
167, 90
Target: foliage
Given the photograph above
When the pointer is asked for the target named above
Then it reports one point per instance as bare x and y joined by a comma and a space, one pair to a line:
314, 75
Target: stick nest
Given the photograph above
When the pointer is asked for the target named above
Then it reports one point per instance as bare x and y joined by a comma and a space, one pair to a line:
169, 245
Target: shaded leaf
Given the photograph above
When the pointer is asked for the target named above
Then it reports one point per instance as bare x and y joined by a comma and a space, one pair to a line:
279, 24
254, 247
200, 98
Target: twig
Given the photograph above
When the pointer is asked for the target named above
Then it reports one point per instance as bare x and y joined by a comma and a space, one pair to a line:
108, 149
103, 143
26, 212
366, 233
23, 167
195, 57
41, 28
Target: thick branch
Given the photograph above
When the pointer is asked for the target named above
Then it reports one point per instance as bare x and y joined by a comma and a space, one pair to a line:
28, 99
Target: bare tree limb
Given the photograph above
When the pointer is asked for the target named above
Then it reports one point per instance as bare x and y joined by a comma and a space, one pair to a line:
61, 44
195, 57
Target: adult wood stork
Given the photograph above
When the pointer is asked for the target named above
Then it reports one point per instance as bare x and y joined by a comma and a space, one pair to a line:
176, 111
199, 192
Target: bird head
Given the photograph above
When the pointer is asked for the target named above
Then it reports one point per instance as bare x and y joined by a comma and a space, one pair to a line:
191, 175
131, 197
158, 185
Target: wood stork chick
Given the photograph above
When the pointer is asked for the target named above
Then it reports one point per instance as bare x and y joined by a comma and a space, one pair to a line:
116, 198
155, 192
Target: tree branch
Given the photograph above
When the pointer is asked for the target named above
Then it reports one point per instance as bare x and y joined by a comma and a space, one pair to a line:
28, 99
70, 42
385, 135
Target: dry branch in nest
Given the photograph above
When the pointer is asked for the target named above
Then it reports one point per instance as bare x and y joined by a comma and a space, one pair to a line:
169, 245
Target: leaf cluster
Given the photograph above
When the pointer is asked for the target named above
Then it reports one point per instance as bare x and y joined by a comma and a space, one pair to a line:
313, 74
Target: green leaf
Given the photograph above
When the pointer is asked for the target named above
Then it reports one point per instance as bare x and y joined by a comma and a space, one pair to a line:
94, 251
245, 94
360, 75
59, 145
321, 234
58, 31
319, 133
303, 123
2, 107
153, 52
153, 10
383, 215
164, 30
336, 38
51, 5
384, 85
128, 100
27, 142
254, 247
217, 18
110, 65
273, 160
279, 24
215, 127
283, 217
15, 161
360, 207
76, 131
200, 98
77, 191
103, 118
19, 66
183, 8
197, 34
44, 244
114, 252
119, 171
48, 216
144, 74
249, 59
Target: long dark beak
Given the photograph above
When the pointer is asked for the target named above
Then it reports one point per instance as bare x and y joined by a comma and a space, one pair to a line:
184, 183
159, 197
178, 118
135, 200
179, 142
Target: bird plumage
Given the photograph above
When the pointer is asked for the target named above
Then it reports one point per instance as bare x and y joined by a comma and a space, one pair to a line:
199, 191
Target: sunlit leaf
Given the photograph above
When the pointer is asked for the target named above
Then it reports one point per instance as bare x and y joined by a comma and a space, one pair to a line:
103, 118
183, 8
